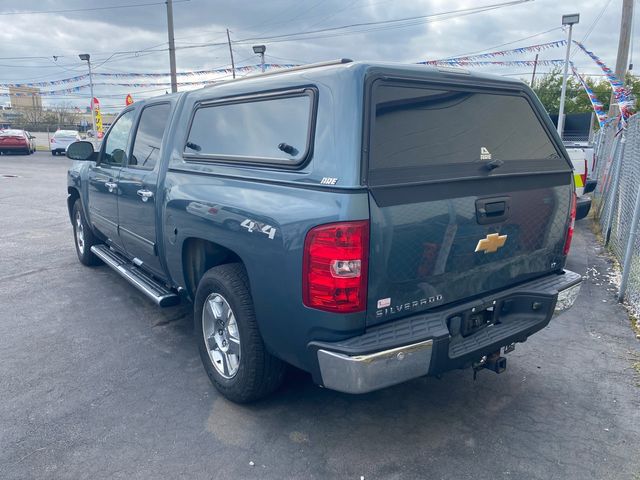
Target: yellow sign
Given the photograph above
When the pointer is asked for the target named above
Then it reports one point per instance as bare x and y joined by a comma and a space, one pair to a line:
491, 243
99, 129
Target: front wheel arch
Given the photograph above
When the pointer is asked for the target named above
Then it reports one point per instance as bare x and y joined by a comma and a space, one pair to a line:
71, 200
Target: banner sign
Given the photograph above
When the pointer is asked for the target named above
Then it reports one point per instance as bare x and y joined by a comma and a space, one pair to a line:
98, 117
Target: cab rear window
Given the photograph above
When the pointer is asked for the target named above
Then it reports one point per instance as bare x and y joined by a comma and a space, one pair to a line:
418, 130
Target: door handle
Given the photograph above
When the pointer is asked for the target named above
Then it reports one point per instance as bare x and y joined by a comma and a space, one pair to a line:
492, 210
145, 194
111, 186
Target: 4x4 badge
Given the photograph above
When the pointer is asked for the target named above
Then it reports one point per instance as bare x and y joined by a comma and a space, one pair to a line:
491, 243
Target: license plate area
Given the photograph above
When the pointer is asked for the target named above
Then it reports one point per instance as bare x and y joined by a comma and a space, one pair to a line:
475, 321
499, 313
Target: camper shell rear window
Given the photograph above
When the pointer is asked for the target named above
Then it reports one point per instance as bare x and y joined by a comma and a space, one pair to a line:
420, 132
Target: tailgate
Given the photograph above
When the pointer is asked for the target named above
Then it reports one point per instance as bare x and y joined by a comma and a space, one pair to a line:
470, 193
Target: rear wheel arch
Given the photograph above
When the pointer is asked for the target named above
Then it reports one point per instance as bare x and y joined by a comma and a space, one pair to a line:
199, 256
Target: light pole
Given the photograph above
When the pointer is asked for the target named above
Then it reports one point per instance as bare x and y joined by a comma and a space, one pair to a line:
86, 57
259, 50
570, 20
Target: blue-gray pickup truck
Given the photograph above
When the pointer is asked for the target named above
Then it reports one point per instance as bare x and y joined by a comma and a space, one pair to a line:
369, 223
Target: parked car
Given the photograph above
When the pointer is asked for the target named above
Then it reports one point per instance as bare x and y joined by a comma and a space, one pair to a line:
62, 139
581, 156
389, 221
15, 141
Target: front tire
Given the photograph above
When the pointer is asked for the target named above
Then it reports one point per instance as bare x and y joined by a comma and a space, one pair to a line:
231, 347
84, 237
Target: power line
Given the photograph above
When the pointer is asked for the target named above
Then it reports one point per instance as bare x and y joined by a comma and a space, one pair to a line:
593, 25
393, 22
91, 9
503, 44
293, 36
365, 27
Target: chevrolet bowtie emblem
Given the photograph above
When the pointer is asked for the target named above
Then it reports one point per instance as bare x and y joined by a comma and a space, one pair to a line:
491, 243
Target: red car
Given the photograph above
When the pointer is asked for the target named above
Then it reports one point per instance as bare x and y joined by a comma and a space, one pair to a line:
15, 141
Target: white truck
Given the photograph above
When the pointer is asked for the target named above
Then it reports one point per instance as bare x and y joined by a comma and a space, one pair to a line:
581, 155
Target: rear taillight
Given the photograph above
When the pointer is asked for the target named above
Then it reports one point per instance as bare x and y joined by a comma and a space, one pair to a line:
334, 269
584, 175
572, 223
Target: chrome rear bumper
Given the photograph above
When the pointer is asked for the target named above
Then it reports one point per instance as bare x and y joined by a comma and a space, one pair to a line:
566, 298
365, 373
427, 345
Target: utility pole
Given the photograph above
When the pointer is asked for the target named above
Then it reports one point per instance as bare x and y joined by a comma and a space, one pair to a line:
172, 47
233, 65
535, 65
85, 57
623, 49
570, 20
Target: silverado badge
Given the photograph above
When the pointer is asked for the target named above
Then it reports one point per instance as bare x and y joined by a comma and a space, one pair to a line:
491, 243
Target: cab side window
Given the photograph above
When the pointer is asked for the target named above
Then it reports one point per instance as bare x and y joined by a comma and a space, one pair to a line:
116, 142
146, 146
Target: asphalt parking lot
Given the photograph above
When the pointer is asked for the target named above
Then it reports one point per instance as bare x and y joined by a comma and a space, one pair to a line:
96, 382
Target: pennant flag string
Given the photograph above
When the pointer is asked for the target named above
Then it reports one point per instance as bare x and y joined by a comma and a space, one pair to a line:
247, 68
623, 96
486, 63
82, 87
514, 51
597, 105
270, 66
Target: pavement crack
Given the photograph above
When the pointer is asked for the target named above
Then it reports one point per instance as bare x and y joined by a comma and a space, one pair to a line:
168, 321
31, 272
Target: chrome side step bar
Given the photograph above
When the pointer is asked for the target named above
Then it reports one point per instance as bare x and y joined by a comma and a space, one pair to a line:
155, 291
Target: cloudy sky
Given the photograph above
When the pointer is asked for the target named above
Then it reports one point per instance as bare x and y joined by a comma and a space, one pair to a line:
37, 47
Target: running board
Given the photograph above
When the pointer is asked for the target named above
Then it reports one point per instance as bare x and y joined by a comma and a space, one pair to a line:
155, 291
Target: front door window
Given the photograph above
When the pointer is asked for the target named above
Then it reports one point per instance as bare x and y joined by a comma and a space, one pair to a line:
116, 142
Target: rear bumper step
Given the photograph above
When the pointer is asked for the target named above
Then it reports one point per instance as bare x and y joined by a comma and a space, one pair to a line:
155, 291
583, 205
431, 343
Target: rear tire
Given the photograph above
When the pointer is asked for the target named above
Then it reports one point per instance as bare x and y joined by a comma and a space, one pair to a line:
231, 347
53, 152
83, 236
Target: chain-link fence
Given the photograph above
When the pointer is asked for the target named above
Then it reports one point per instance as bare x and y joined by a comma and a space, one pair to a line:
617, 201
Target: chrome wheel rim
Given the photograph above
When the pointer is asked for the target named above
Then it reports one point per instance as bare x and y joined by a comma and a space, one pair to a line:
221, 335
79, 233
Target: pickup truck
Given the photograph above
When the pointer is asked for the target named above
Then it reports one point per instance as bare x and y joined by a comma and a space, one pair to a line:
582, 158
368, 223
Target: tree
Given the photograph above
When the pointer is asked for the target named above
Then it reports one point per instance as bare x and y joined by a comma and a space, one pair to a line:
63, 115
30, 115
549, 86
602, 91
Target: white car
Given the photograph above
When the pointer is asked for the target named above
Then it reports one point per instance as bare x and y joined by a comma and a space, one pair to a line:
62, 139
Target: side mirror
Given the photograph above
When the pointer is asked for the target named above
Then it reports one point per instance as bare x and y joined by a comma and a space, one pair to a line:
80, 151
